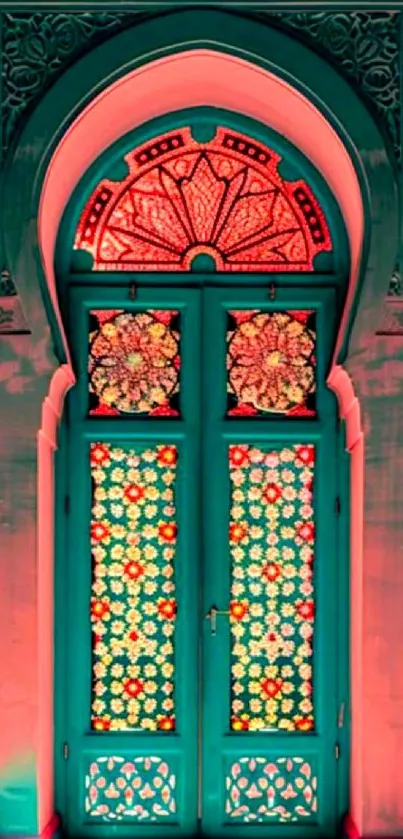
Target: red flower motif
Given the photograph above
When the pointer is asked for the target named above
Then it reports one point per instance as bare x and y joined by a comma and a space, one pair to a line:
239, 724
168, 532
300, 410
133, 636
99, 608
134, 570
301, 316
167, 456
238, 455
271, 637
99, 531
306, 454
271, 571
99, 455
306, 610
272, 493
304, 724
134, 493
237, 532
306, 531
164, 315
103, 411
167, 608
238, 610
133, 687
272, 687
101, 724
164, 411
242, 410
166, 723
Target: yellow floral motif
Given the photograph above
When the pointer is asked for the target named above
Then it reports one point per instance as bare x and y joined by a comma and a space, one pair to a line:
272, 548
133, 612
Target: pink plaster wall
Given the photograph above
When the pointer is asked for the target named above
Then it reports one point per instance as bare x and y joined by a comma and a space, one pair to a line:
379, 384
24, 371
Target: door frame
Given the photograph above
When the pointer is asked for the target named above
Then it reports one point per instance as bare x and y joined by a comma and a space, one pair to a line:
61, 514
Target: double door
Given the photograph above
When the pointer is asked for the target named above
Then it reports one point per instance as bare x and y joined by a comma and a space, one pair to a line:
198, 594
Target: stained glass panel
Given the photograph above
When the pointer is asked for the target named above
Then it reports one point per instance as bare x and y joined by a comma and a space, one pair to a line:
225, 198
272, 538
271, 363
282, 790
133, 538
138, 789
134, 361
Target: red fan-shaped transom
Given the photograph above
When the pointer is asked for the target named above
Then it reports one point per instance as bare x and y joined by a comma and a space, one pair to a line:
182, 198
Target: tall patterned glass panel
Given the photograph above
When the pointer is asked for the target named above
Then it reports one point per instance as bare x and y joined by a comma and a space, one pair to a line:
133, 540
272, 539
271, 364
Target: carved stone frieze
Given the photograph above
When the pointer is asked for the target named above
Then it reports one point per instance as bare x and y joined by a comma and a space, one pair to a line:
365, 47
38, 47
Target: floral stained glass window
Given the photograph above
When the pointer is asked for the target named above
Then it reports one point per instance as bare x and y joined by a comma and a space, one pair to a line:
133, 540
225, 198
134, 361
271, 363
272, 538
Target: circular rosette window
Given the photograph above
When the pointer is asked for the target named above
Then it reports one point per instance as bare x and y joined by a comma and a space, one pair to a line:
134, 363
271, 363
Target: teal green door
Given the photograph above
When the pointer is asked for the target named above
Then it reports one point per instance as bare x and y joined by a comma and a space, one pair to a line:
200, 588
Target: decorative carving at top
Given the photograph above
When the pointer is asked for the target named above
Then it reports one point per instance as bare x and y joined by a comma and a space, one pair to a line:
364, 46
38, 47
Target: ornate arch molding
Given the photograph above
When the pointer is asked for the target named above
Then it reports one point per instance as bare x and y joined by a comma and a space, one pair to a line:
135, 76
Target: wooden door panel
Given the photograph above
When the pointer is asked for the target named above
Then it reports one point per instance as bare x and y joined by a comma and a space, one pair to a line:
131, 590
270, 690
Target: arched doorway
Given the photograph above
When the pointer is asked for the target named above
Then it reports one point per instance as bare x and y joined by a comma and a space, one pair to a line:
203, 295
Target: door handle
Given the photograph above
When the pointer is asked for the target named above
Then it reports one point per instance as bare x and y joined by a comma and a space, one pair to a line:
212, 617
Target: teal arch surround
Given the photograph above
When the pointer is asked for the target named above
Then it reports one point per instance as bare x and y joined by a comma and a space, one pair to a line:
27, 164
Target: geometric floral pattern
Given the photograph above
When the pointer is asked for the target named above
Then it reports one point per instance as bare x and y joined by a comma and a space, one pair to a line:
271, 363
283, 790
141, 788
181, 198
134, 362
133, 539
272, 596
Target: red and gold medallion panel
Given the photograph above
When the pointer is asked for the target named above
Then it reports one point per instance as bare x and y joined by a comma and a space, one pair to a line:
272, 537
133, 540
271, 363
134, 363
225, 198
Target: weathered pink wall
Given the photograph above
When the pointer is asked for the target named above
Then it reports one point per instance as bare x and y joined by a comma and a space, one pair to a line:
24, 376
378, 378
